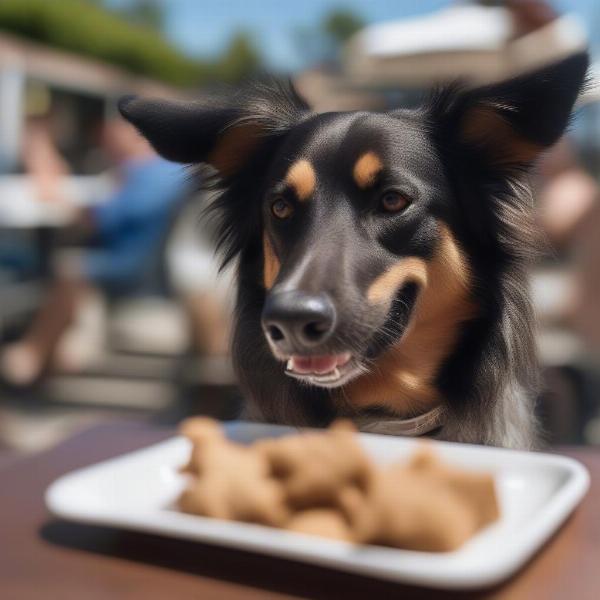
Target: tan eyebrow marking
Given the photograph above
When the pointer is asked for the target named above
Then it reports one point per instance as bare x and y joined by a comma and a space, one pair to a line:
271, 264
302, 177
366, 169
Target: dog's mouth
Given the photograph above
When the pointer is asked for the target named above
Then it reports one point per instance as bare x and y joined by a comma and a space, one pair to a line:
335, 370
326, 370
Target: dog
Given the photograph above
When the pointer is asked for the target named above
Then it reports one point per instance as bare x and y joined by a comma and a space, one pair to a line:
381, 256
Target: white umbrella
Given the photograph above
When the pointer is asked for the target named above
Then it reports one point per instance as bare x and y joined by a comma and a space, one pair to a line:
463, 41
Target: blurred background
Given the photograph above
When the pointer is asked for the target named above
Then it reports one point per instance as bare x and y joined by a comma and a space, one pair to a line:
110, 305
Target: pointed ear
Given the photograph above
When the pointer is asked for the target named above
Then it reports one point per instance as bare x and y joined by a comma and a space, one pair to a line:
513, 122
192, 132
221, 133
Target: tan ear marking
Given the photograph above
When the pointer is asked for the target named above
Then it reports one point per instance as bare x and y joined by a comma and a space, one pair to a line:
302, 178
233, 148
483, 125
366, 169
271, 263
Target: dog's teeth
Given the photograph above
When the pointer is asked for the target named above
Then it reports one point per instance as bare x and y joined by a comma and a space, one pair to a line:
331, 376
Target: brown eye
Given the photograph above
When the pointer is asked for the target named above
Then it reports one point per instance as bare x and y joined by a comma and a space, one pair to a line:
394, 202
282, 208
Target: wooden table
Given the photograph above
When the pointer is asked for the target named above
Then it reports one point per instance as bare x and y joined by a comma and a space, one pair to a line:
41, 557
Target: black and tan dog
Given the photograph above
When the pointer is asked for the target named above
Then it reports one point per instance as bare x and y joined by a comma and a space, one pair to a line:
381, 255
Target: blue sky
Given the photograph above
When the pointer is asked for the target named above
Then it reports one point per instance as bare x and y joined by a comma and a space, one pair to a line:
203, 27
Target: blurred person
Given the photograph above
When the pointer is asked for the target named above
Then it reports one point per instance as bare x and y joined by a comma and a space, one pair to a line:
566, 194
46, 169
207, 294
127, 230
569, 208
42, 161
568, 203
529, 15
585, 309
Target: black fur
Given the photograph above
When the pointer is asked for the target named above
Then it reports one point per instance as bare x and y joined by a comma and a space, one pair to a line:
476, 187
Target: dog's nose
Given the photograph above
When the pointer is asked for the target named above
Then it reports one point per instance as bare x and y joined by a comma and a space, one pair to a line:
296, 320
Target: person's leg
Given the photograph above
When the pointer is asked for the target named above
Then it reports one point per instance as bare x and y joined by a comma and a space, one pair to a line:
23, 361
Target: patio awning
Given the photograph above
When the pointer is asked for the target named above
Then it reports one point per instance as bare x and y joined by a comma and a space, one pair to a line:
475, 43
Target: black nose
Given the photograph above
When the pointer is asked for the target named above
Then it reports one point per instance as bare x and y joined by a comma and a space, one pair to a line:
296, 320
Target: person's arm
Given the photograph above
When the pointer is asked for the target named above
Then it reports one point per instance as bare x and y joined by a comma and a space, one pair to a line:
145, 192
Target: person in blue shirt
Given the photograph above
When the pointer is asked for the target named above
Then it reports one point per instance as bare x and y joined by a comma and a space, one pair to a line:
128, 229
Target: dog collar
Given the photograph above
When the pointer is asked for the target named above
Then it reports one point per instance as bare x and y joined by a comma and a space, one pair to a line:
414, 427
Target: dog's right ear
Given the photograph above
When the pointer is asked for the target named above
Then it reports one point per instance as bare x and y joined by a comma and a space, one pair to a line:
193, 132
217, 132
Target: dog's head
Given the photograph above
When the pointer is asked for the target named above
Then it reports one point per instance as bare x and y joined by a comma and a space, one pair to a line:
364, 224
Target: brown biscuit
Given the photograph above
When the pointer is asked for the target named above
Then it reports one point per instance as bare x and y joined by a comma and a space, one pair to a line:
230, 481
474, 488
201, 431
404, 510
314, 467
324, 522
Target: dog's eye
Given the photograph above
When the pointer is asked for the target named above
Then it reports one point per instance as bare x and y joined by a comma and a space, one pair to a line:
393, 202
282, 208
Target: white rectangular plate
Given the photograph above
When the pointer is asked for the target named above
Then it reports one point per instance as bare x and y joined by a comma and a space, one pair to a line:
536, 491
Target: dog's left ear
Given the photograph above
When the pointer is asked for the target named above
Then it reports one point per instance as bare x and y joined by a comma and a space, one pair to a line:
511, 123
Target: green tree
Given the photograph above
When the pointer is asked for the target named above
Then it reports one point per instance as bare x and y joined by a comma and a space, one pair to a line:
146, 12
341, 24
88, 28
241, 59
323, 44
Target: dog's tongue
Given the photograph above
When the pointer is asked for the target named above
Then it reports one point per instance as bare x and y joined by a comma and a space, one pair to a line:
318, 364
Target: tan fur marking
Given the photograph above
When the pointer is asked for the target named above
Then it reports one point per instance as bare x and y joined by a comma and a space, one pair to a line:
408, 269
403, 377
302, 177
366, 169
271, 264
483, 125
233, 148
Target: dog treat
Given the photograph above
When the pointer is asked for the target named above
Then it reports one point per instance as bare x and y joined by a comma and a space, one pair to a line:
326, 522
323, 483
475, 489
407, 510
230, 481
313, 467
